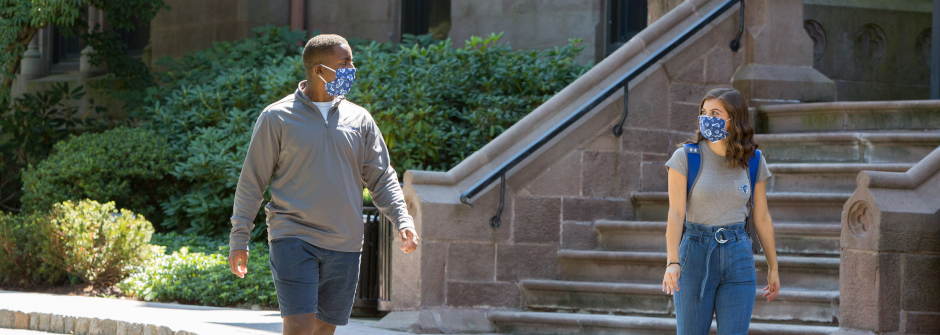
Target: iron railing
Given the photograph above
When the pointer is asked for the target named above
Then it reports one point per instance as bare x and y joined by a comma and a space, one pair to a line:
621, 83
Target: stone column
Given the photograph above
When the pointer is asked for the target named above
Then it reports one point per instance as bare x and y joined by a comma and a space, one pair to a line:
935, 52
778, 57
297, 11
95, 18
31, 66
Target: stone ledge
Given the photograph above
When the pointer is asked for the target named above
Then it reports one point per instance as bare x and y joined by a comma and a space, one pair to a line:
780, 228
588, 322
657, 290
61, 324
909, 180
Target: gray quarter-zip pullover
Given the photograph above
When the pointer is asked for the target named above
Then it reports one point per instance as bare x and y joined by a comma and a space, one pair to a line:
317, 170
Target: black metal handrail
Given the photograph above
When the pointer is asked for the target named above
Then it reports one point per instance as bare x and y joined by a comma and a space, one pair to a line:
622, 82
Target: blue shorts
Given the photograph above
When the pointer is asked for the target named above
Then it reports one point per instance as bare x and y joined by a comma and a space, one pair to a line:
309, 279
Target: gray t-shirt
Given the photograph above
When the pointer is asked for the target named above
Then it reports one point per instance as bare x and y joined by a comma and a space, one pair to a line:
720, 195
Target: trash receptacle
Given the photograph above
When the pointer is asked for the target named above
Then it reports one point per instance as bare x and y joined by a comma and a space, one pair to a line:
373, 294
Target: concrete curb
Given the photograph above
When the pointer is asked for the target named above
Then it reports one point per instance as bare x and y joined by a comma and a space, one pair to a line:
61, 324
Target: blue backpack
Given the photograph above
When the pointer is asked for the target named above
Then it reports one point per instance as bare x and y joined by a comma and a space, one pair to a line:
695, 163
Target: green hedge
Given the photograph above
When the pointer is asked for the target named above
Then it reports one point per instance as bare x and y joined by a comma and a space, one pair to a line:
435, 103
124, 165
194, 269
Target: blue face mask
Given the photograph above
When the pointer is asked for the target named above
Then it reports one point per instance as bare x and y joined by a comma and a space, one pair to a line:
712, 128
342, 83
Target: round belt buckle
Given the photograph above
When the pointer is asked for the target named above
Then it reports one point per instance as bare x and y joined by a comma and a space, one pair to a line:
722, 241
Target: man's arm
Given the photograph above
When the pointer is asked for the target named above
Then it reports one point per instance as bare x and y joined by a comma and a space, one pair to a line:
382, 181
256, 172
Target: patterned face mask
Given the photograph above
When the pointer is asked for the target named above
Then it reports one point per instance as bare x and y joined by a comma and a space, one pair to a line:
342, 83
712, 128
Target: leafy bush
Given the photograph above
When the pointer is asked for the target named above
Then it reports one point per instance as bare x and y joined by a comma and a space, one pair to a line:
32, 124
124, 165
23, 246
96, 242
206, 108
200, 274
435, 104
74, 241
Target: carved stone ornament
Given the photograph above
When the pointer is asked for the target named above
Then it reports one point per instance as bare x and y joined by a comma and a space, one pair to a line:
870, 44
860, 219
922, 46
816, 32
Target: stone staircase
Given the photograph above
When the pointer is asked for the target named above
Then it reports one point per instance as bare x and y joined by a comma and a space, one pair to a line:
815, 151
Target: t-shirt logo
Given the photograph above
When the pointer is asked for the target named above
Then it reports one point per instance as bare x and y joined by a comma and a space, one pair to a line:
743, 189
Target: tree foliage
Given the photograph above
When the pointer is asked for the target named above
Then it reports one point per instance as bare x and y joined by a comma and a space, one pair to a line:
22, 19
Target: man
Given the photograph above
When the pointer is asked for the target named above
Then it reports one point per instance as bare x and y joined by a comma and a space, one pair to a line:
317, 150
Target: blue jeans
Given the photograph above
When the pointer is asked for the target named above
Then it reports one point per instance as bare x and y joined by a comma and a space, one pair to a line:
717, 278
310, 279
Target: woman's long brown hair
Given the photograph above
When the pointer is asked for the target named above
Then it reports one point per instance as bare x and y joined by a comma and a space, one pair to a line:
740, 144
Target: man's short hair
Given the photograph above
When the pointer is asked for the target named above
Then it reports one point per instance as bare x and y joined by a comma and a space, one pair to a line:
318, 49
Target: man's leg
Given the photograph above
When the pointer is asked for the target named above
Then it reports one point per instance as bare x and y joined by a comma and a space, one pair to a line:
339, 276
306, 324
295, 268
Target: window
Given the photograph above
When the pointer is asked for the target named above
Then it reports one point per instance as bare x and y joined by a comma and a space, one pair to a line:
419, 17
625, 19
66, 50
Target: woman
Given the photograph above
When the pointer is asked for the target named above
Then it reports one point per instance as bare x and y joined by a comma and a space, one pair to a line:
710, 267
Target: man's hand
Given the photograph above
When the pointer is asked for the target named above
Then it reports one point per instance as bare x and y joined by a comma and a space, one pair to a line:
409, 240
238, 262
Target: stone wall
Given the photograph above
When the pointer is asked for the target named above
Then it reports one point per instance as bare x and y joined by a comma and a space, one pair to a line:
891, 252
586, 174
373, 19
194, 25
532, 24
873, 50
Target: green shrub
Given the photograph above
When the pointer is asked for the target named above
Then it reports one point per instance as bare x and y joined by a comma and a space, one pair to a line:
124, 165
96, 242
200, 274
32, 124
23, 246
435, 104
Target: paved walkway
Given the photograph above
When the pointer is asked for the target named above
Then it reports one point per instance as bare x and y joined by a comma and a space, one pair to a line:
196, 319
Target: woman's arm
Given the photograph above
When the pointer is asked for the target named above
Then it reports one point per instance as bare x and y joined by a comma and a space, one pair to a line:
765, 230
674, 222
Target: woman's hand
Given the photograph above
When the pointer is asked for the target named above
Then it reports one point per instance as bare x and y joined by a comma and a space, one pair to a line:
671, 279
773, 285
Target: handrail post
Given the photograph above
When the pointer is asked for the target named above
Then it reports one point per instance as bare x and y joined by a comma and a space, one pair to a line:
495, 221
618, 129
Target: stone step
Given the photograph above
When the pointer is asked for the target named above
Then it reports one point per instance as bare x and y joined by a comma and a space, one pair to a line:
843, 147
650, 236
810, 273
516, 322
850, 116
823, 177
790, 306
784, 206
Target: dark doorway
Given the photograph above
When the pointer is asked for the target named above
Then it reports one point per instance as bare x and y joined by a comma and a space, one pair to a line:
419, 17
625, 19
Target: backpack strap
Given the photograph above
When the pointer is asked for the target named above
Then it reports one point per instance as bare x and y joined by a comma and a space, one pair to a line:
753, 167
694, 160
